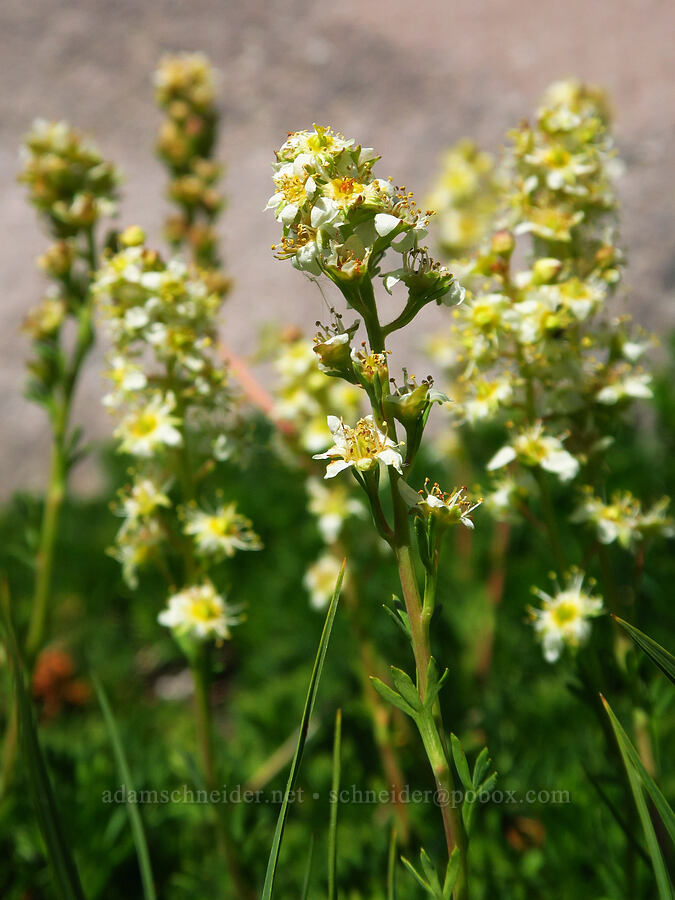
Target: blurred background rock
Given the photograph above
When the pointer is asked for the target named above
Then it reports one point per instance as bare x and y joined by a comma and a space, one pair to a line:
408, 79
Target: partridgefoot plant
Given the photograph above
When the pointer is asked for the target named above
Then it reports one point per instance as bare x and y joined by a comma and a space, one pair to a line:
73, 188
342, 223
171, 395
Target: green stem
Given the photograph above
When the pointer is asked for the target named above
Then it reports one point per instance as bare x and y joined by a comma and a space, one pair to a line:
550, 522
376, 335
431, 726
44, 562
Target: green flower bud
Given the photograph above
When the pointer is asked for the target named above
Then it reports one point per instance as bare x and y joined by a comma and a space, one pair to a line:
546, 270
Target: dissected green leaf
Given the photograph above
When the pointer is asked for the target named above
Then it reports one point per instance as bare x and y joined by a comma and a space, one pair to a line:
451, 874
406, 688
434, 683
390, 695
483, 763
416, 875
461, 764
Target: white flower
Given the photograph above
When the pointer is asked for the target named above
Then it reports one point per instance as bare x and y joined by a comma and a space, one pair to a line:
143, 499
486, 398
151, 427
563, 619
534, 448
320, 580
331, 505
635, 385
362, 447
447, 509
200, 612
126, 377
501, 500
623, 519
222, 532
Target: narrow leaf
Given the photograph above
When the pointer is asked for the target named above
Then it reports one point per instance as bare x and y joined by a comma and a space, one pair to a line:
658, 654
451, 873
482, 765
416, 875
391, 867
390, 695
308, 870
434, 683
461, 763
273, 860
135, 820
637, 780
335, 792
406, 688
431, 874
663, 808
397, 619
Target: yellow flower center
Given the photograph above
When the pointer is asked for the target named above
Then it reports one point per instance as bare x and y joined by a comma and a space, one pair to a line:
565, 612
293, 189
204, 610
344, 190
145, 424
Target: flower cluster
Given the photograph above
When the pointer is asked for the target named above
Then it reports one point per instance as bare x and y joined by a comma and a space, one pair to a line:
623, 518
536, 346
563, 618
162, 319
465, 198
339, 219
185, 90
72, 187
68, 179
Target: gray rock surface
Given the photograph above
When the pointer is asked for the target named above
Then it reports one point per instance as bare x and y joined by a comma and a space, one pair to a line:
407, 78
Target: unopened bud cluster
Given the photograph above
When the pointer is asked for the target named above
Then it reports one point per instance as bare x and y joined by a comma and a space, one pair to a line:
185, 91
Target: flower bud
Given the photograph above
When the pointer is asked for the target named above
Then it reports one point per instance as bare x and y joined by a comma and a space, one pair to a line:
503, 243
133, 236
546, 270
332, 344
58, 259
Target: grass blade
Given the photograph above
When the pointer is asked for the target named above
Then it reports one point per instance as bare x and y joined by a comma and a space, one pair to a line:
124, 772
335, 790
639, 777
308, 870
658, 654
304, 726
391, 867
66, 877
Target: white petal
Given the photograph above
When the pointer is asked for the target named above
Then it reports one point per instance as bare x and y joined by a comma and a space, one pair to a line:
288, 213
391, 458
562, 464
335, 467
501, 458
385, 223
